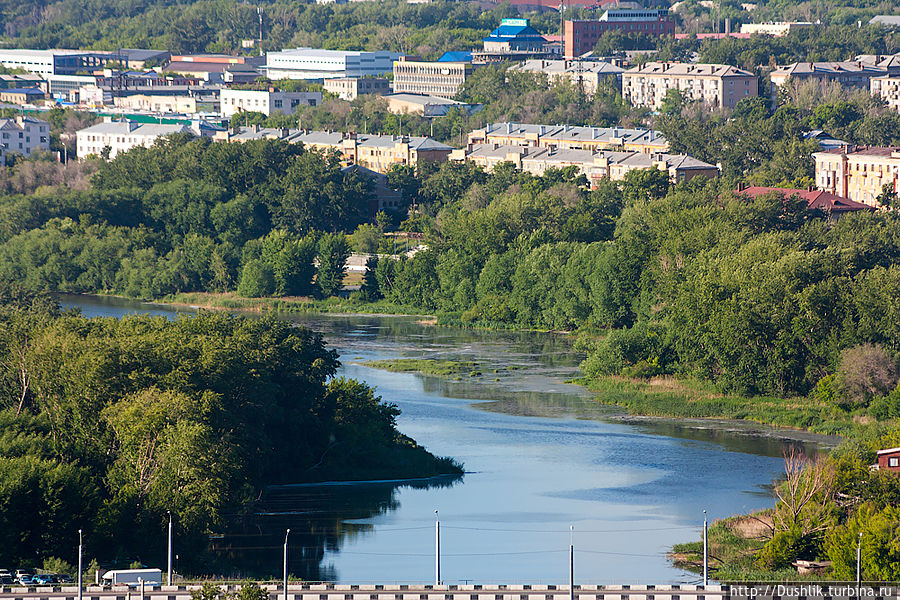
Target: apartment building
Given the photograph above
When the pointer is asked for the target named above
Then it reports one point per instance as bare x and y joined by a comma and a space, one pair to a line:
774, 28
568, 137
580, 36
350, 88
23, 135
888, 89
858, 172
427, 106
849, 74
715, 85
588, 74
267, 102
21, 95
593, 165
442, 79
377, 152
121, 136
158, 104
312, 63
54, 62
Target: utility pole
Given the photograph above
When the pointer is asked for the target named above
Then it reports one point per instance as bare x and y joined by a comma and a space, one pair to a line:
259, 13
286, 534
858, 561
79, 563
571, 562
437, 538
705, 551
169, 557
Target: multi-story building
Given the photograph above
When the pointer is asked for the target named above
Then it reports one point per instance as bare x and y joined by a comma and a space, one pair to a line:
888, 89
595, 165
374, 151
588, 74
23, 135
427, 106
858, 172
267, 102
889, 62
217, 68
350, 88
54, 62
568, 137
514, 35
159, 104
715, 85
774, 28
442, 79
21, 95
849, 74
312, 63
121, 136
580, 37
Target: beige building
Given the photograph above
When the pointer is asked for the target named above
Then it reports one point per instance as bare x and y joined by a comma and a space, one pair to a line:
858, 172
589, 74
161, 104
593, 165
443, 79
774, 28
888, 89
712, 84
568, 137
374, 151
23, 135
850, 74
121, 136
350, 88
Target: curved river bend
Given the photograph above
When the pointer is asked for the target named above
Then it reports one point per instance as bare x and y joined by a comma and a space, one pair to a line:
539, 456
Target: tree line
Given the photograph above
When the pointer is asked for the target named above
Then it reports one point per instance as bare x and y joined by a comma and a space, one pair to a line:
107, 424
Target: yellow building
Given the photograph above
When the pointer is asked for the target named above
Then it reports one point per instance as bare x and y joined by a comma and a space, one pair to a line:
160, 104
858, 172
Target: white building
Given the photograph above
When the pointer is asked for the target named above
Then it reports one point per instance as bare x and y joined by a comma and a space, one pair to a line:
774, 28
53, 62
266, 102
23, 135
888, 89
121, 136
311, 63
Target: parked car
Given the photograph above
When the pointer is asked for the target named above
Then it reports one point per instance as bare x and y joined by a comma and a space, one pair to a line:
7, 578
45, 579
25, 579
65, 578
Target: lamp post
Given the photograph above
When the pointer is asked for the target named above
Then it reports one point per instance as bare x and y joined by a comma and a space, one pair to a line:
286, 534
571, 562
169, 556
858, 561
79, 563
705, 551
437, 549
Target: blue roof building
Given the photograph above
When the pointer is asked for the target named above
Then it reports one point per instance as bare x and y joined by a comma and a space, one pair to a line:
456, 56
514, 35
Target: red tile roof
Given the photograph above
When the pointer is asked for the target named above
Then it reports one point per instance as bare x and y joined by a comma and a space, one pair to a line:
816, 199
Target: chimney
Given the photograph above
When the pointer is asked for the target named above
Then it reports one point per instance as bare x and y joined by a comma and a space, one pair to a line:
810, 188
741, 186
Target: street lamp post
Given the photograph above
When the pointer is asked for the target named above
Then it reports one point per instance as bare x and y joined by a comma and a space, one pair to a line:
705, 551
169, 556
79, 563
858, 561
286, 534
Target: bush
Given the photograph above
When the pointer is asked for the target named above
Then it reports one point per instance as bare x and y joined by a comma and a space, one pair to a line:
257, 280
639, 351
866, 371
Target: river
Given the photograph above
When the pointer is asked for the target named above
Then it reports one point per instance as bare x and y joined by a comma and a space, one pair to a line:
540, 457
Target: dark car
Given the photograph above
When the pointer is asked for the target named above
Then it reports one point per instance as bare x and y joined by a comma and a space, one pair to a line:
45, 579
65, 578
7, 579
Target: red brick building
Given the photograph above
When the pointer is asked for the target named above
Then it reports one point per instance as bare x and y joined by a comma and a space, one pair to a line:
582, 36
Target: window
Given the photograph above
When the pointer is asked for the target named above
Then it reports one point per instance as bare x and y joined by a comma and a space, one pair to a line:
894, 462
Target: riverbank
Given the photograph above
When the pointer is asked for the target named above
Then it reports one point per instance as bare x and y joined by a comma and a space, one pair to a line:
288, 304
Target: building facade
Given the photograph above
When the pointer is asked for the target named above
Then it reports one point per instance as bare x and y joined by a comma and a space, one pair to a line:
595, 166
24, 135
54, 62
589, 74
858, 172
774, 28
21, 95
312, 63
849, 74
888, 89
121, 136
568, 137
159, 104
580, 37
266, 102
443, 79
350, 88
373, 151
715, 85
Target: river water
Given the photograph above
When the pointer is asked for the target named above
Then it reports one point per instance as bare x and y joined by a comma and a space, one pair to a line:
540, 457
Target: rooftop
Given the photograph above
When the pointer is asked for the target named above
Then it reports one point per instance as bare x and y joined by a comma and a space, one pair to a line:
699, 69
816, 199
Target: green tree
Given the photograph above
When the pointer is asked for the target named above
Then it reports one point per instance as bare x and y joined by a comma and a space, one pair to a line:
333, 252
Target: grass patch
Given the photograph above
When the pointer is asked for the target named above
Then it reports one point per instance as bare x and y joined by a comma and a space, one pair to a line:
426, 366
670, 397
289, 304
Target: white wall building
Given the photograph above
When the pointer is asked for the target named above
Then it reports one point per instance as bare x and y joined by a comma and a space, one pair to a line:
266, 102
311, 63
52, 62
23, 135
121, 136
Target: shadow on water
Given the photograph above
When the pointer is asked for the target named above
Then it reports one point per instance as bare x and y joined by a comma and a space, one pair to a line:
321, 517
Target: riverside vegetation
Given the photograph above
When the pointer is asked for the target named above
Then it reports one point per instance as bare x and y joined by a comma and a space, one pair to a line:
107, 424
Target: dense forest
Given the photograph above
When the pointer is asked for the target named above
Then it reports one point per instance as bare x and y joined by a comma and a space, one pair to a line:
107, 424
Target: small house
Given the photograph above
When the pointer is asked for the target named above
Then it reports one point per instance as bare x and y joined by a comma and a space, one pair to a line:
889, 460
